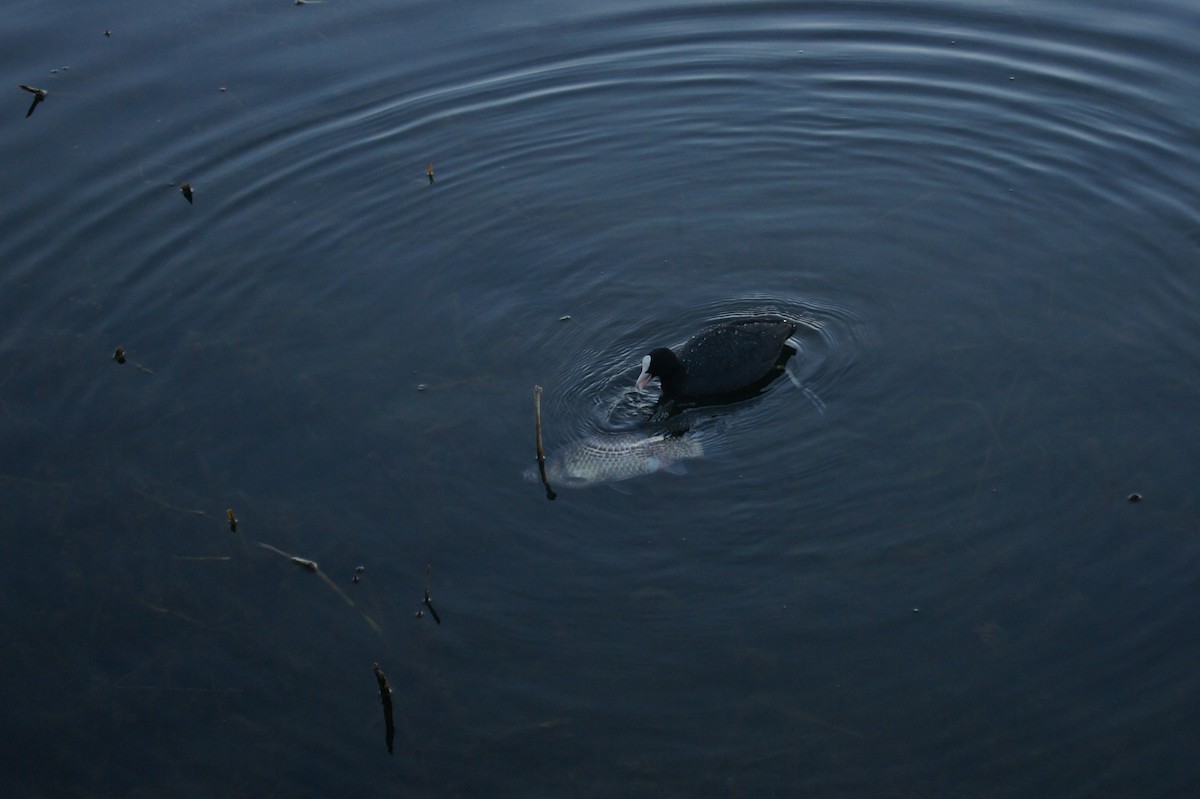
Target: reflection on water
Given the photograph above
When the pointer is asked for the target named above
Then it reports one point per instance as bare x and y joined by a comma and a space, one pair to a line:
403, 216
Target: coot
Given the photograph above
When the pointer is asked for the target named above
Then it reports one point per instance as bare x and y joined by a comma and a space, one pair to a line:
730, 358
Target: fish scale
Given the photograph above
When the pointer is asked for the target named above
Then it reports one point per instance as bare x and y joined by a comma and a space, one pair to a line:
612, 458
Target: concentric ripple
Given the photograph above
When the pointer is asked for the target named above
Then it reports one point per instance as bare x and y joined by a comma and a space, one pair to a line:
406, 214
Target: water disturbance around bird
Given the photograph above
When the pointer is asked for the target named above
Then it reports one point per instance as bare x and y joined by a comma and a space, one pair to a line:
607, 406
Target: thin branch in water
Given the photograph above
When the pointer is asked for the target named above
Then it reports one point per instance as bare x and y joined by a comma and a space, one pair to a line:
385, 696
427, 602
541, 452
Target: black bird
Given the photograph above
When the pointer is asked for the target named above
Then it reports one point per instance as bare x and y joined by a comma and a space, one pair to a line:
724, 361
38, 96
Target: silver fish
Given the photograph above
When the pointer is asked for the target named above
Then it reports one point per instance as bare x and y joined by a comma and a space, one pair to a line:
620, 456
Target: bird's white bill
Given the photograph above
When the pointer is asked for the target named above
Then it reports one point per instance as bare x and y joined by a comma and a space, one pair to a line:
644, 378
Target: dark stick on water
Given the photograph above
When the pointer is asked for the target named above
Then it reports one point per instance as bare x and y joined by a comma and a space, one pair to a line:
541, 452
428, 604
385, 696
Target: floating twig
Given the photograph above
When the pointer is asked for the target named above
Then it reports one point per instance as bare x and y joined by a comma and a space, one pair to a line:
40, 94
232, 520
541, 452
385, 696
427, 602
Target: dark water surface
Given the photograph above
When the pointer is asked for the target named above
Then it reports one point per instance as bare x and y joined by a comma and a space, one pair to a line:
988, 211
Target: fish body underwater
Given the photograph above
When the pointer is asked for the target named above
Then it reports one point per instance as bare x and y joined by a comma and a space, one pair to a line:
622, 456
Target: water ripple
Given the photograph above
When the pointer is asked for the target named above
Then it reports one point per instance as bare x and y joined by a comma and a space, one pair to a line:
983, 213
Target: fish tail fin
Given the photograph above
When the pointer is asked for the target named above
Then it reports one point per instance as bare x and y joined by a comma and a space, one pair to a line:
674, 467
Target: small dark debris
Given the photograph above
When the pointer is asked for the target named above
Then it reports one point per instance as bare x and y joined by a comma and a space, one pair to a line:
108, 33
428, 603
38, 96
433, 612
359, 569
232, 520
119, 355
1135, 497
385, 696
429, 172
186, 191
